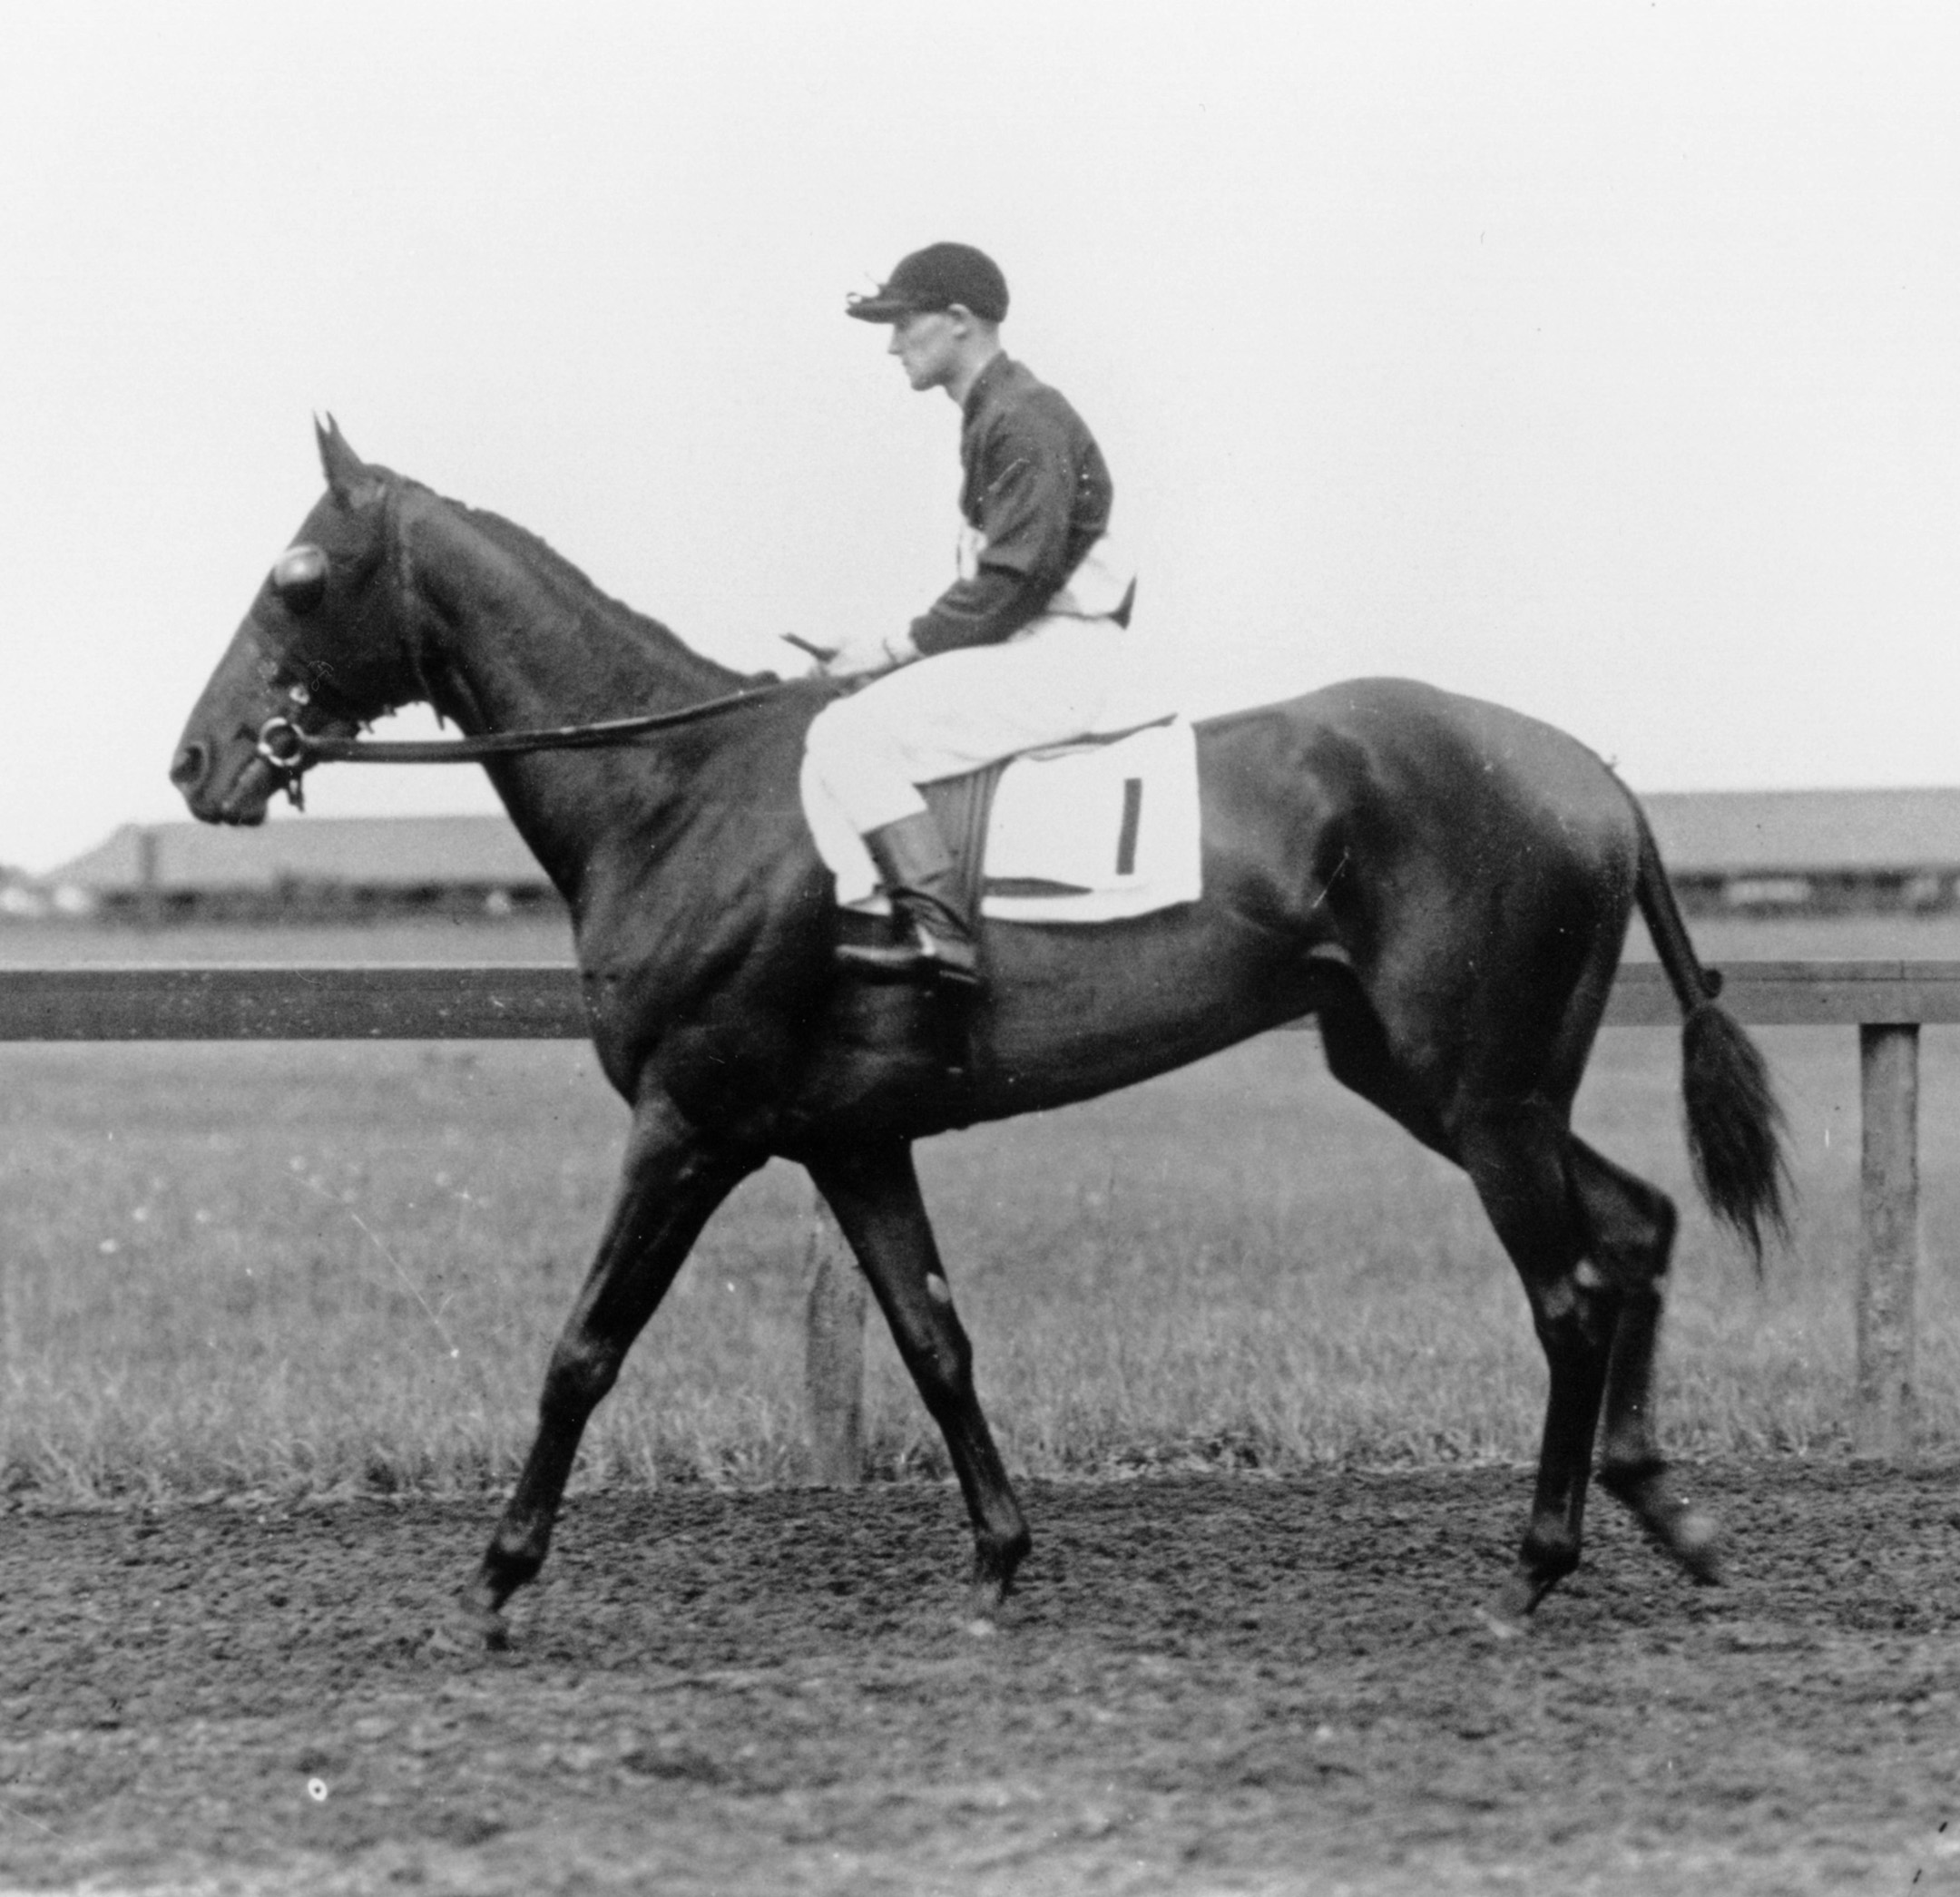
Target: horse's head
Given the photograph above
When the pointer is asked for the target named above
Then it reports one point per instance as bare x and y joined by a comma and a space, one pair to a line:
325, 645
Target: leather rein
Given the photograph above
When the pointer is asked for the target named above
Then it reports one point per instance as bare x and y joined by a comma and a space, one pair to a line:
290, 750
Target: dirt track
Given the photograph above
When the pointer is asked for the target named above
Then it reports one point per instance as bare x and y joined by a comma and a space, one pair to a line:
1207, 1683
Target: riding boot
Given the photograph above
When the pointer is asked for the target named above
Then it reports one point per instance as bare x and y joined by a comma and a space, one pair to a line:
936, 937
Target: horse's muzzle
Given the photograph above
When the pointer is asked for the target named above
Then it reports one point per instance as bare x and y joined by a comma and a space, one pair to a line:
189, 767
243, 801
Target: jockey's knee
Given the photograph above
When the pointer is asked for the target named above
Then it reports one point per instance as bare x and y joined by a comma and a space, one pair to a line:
859, 769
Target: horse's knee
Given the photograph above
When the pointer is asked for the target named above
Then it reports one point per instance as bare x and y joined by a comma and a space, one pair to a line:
578, 1377
941, 1363
932, 1340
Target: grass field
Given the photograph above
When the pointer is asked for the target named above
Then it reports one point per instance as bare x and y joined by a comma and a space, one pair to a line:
329, 1268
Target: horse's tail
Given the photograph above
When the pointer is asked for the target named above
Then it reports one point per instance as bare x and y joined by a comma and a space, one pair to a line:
1735, 1127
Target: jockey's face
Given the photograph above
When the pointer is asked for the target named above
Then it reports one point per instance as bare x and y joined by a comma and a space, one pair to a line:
927, 342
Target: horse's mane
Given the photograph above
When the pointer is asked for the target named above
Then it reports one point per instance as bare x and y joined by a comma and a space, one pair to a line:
540, 556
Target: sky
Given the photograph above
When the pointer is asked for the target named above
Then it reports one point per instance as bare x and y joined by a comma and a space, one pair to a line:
1601, 358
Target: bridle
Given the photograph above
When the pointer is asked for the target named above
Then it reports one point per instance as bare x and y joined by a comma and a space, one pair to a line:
290, 750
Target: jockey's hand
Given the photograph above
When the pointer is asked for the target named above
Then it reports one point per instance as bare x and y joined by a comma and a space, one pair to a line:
859, 658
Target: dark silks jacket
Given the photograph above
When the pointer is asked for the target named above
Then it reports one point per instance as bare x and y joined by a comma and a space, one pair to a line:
1036, 494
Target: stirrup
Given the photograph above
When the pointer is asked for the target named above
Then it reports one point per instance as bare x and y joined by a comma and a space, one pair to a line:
925, 957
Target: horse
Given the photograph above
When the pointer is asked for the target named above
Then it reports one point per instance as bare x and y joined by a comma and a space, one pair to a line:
1443, 885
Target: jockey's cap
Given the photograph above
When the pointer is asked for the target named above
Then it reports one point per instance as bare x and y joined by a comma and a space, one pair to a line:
937, 277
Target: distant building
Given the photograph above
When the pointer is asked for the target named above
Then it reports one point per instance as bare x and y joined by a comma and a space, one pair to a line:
23, 899
1729, 852
313, 868
1815, 852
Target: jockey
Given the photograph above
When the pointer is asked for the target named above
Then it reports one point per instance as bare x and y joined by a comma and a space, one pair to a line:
1023, 650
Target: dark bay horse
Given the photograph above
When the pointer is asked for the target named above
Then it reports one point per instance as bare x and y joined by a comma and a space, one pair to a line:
1445, 885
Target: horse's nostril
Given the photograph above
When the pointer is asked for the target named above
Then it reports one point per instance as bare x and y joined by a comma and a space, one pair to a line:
187, 769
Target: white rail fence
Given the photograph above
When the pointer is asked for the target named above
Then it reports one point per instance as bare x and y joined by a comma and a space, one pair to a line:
1887, 1002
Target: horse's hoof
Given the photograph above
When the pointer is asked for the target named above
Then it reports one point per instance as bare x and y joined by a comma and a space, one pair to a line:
1692, 1536
444, 1643
1511, 1612
995, 1566
984, 1603
1499, 1622
1695, 1540
1549, 1554
481, 1624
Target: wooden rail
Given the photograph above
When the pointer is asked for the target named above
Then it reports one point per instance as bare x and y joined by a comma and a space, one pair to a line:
1887, 1002
541, 1001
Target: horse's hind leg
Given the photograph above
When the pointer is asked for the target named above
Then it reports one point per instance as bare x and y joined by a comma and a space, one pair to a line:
874, 1191
1516, 1156
673, 1181
1591, 1243
1630, 1229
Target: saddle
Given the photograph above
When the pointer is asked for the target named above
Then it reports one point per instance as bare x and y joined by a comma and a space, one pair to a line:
1093, 831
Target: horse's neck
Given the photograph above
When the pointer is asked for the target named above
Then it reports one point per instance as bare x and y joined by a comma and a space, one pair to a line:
518, 637
514, 637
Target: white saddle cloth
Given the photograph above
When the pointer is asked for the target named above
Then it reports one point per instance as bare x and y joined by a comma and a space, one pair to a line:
1078, 833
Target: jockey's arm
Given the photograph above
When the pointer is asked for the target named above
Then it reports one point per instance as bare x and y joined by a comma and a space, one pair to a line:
1028, 493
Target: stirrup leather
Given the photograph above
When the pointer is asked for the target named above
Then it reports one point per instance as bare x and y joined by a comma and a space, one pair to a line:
924, 958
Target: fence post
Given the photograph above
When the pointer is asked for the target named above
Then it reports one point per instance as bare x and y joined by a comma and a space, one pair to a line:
833, 1363
1888, 1244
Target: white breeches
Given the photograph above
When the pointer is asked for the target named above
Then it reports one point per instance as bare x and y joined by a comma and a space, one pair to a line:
868, 753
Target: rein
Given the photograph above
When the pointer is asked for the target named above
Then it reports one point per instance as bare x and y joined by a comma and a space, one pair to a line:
290, 750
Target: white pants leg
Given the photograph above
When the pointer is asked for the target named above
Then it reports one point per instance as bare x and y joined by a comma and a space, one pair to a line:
938, 716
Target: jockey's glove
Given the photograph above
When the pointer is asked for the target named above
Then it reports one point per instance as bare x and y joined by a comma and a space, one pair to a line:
860, 657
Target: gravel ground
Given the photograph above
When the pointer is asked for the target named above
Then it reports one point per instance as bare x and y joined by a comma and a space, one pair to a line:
1205, 1684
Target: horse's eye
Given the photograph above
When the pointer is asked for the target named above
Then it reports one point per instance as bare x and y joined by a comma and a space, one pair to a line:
299, 578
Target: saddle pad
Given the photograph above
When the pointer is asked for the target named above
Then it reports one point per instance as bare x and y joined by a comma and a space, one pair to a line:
1079, 833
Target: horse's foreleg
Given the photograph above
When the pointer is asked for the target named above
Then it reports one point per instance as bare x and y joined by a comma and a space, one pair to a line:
874, 1191
673, 1181
1632, 1227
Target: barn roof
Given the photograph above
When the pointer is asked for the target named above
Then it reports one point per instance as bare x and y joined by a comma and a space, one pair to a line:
370, 852
1806, 832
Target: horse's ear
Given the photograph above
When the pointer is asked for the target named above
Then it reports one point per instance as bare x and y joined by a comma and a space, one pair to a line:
353, 482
